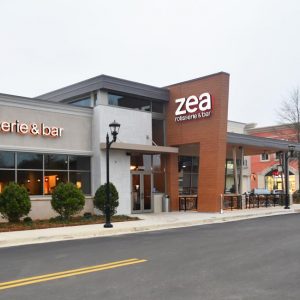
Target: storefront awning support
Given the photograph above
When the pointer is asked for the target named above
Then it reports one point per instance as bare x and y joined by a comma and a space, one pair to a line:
241, 170
235, 170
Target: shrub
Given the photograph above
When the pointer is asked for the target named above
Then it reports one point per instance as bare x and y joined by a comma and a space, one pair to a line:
27, 220
87, 216
296, 197
14, 202
67, 200
100, 198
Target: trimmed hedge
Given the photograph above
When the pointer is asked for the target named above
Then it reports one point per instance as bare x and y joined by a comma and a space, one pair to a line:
14, 202
100, 199
67, 200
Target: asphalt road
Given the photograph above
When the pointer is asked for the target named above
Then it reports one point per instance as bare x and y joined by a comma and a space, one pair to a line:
252, 259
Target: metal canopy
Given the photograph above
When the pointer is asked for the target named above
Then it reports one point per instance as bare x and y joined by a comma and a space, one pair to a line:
254, 145
131, 148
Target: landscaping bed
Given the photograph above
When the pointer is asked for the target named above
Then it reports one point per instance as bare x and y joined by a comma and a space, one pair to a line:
59, 222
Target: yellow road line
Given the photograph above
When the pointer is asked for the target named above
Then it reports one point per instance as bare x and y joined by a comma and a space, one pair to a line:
58, 275
65, 272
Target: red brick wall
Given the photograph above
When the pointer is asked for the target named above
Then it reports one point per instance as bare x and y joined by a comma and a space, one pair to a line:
276, 132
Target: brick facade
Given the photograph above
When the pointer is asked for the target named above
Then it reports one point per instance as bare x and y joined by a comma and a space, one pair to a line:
209, 133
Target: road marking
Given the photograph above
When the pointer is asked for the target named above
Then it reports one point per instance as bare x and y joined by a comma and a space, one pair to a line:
69, 273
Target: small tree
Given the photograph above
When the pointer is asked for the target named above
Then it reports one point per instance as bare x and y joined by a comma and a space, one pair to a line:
100, 198
14, 202
67, 200
290, 115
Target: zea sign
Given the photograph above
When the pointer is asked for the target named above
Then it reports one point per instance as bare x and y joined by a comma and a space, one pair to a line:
31, 129
194, 107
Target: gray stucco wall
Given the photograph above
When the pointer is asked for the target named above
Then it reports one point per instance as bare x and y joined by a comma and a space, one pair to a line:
76, 134
136, 128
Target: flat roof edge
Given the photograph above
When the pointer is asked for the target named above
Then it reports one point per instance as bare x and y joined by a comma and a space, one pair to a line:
199, 78
105, 82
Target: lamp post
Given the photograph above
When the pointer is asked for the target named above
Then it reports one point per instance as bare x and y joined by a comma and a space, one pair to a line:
114, 129
286, 156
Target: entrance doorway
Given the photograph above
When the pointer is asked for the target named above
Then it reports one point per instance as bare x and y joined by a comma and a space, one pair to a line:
141, 192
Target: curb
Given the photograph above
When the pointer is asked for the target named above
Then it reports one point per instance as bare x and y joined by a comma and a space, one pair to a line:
136, 229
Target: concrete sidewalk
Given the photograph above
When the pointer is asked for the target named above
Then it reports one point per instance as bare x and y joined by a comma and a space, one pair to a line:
148, 222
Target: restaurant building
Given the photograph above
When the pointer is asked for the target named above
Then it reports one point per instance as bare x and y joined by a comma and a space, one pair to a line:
172, 141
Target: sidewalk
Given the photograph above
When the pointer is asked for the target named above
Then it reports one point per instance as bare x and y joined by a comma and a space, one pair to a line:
148, 222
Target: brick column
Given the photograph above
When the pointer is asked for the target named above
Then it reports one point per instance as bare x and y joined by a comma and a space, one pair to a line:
172, 180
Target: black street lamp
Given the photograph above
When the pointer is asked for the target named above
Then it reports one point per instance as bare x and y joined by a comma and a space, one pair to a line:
114, 129
286, 156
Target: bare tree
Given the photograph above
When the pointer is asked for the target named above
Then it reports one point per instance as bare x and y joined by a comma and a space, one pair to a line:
289, 114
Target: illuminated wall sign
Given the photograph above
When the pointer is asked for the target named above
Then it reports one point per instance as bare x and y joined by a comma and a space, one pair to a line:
32, 129
193, 107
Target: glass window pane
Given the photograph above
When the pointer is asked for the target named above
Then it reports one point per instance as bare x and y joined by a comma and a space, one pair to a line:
195, 164
56, 161
29, 160
7, 159
5, 178
194, 183
86, 102
79, 162
32, 180
82, 180
129, 102
141, 162
52, 179
185, 163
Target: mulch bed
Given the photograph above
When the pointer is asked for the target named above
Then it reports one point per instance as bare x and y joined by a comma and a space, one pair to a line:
57, 222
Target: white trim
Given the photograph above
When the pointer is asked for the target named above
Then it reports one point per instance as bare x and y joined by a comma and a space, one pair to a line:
43, 105
46, 150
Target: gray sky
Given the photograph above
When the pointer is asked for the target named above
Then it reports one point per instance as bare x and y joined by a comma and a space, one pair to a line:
45, 45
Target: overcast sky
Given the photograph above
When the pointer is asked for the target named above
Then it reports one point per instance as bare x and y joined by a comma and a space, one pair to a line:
45, 45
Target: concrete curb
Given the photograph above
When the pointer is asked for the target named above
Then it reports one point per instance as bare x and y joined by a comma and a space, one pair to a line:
9, 239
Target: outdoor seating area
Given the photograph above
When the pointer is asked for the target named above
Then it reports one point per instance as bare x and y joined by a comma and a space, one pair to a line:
247, 201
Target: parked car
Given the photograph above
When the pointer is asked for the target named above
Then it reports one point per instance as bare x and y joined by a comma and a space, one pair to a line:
260, 191
278, 192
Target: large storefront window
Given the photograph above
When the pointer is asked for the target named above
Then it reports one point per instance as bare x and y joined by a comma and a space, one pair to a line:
41, 173
7, 160
29, 160
188, 175
82, 180
52, 179
79, 163
56, 161
32, 180
6, 176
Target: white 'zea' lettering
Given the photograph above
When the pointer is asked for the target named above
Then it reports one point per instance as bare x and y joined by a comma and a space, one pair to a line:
193, 107
178, 110
205, 102
191, 101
